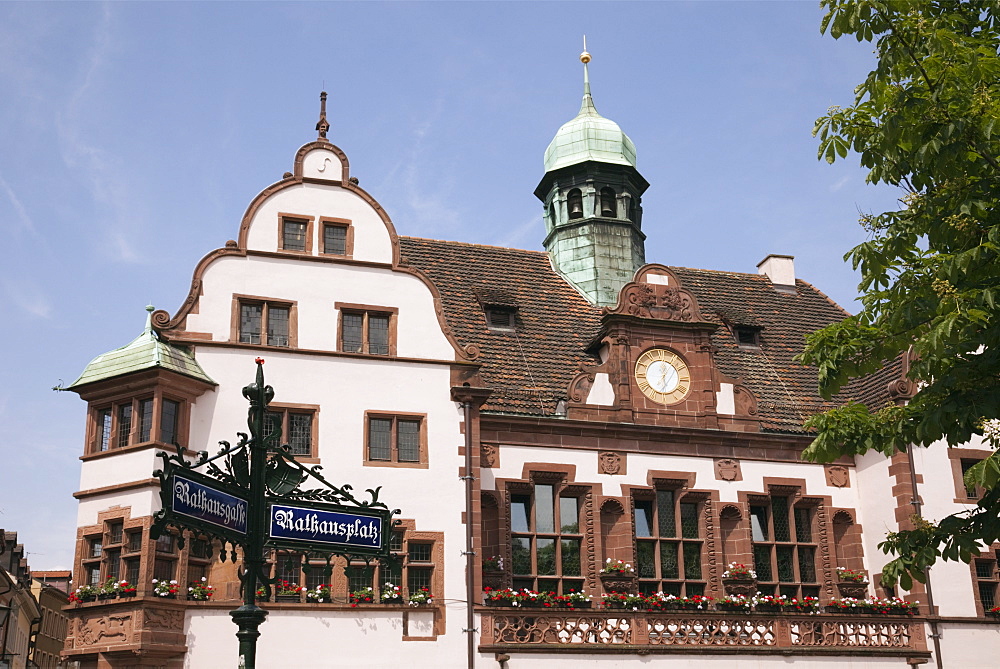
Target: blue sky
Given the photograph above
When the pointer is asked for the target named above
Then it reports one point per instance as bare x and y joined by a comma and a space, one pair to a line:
133, 136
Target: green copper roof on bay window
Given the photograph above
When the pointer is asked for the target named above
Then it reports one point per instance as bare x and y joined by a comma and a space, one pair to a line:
144, 352
589, 136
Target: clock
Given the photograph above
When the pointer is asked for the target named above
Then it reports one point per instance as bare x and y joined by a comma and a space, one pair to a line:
663, 376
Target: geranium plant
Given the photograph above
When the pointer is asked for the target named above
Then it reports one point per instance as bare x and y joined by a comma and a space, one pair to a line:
125, 589
287, 588
84, 593
501, 596
851, 575
994, 612
165, 588
624, 600
666, 602
739, 572
391, 594
362, 596
109, 588
784, 603
200, 590
617, 567
320, 594
571, 599
494, 563
420, 597
734, 603
884, 606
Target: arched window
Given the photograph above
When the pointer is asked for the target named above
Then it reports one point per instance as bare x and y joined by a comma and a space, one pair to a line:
574, 201
609, 205
552, 213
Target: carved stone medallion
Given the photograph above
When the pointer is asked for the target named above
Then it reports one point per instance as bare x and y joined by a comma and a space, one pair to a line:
838, 476
611, 463
488, 455
728, 469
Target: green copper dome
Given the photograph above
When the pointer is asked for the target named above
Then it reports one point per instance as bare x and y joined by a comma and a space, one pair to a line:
589, 136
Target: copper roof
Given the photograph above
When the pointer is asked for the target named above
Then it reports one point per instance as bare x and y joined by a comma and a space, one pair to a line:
530, 367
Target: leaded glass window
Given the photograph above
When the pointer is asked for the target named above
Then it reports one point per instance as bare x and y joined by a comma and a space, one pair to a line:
145, 420
546, 543
395, 439
103, 429
277, 326
668, 560
124, 424
294, 235
783, 548
366, 332
251, 318
265, 323
335, 240
169, 412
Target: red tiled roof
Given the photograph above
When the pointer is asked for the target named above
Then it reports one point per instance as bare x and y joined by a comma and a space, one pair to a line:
530, 368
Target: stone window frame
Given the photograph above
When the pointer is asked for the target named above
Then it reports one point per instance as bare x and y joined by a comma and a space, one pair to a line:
347, 225
287, 408
422, 461
561, 477
992, 559
366, 310
956, 456
794, 490
293, 320
295, 218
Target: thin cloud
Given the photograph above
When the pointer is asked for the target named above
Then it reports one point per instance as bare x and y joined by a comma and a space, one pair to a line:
840, 183
103, 171
522, 236
27, 296
22, 213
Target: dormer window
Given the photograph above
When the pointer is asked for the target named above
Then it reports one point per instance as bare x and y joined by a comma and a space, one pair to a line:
747, 336
498, 318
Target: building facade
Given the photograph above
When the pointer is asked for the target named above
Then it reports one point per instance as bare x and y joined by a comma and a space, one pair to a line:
585, 406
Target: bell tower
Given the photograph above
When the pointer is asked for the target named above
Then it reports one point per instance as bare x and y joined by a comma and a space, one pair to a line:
592, 196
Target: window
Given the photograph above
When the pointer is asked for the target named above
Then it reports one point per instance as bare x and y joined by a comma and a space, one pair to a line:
499, 318
962, 459
265, 322
298, 425
397, 439
96, 547
574, 202
338, 237
295, 234
987, 580
747, 336
130, 422
370, 330
115, 533
165, 544
546, 541
669, 543
609, 203
784, 550
135, 541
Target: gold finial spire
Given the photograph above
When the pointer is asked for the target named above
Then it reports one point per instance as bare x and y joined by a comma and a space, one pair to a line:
322, 126
588, 102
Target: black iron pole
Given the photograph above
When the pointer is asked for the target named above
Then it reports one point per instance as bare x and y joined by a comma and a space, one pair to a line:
249, 616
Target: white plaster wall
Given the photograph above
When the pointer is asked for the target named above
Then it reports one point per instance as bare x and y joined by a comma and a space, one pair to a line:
968, 646
316, 287
877, 508
685, 661
601, 393
336, 639
144, 502
118, 468
513, 458
371, 237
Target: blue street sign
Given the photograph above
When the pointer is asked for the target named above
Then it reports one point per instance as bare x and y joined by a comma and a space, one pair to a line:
315, 525
202, 502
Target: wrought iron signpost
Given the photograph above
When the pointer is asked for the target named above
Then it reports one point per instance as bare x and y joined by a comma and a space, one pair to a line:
249, 495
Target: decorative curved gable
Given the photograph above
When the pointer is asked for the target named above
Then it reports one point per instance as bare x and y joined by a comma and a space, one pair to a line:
656, 292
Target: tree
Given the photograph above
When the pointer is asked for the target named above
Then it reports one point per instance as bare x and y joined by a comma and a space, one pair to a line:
924, 120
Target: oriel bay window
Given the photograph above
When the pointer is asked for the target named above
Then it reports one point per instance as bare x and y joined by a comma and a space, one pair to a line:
669, 543
784, 547
131, 421
546, 541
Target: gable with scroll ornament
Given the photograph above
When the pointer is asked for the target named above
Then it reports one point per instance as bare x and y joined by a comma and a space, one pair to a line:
657, 293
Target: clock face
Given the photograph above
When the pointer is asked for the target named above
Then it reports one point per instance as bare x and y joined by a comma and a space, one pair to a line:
662, 376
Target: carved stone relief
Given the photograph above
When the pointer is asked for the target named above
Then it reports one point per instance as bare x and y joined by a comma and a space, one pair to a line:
489, 455
838, 476
165, 619
610, 462
107, 629
728, 469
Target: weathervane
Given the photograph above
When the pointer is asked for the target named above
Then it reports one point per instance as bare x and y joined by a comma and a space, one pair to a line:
322, 126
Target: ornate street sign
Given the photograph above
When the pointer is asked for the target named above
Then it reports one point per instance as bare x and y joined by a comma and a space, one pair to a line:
250, 495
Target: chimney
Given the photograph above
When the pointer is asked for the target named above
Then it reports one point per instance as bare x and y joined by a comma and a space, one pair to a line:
780, 270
